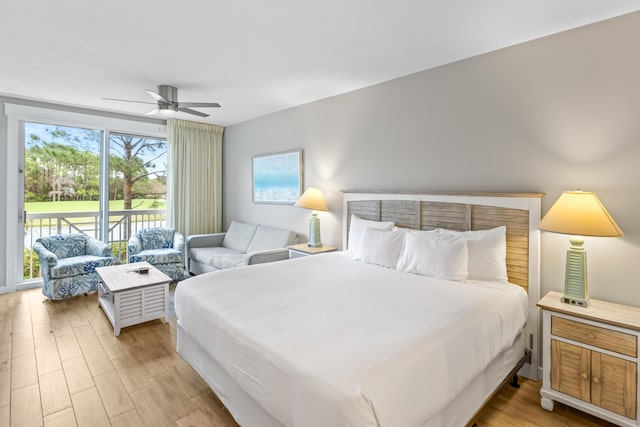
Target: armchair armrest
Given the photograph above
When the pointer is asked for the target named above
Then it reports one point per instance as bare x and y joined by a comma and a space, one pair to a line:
178, 241
271, 255
45, 255
98, 248
134, 245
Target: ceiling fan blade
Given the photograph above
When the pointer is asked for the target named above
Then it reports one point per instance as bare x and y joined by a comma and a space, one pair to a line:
128, 100
155, 96
199, 104
194, 112
152, 112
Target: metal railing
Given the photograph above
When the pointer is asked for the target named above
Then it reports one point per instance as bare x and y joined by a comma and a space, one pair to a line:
122, 225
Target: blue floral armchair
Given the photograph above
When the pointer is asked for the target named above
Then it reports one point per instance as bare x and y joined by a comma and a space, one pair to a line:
68, 264
161, 247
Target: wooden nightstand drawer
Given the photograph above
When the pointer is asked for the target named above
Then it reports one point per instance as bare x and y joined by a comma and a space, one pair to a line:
607, 339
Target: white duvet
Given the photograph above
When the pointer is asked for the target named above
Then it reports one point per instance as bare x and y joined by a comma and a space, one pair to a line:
328, 341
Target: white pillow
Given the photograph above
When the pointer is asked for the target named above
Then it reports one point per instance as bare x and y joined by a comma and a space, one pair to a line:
434, 255
380, 247
423, 232
355, 231
487, 253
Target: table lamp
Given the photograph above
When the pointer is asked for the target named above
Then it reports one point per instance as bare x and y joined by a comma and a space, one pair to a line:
578, 213
313, 199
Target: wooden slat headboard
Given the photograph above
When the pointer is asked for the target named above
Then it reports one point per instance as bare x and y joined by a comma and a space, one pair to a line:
428, 215
519, 212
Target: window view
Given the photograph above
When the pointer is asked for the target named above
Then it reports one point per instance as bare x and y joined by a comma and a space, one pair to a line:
62, 190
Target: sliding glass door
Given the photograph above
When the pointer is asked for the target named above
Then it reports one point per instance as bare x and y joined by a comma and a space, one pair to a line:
61, 170
137, 187
104, 184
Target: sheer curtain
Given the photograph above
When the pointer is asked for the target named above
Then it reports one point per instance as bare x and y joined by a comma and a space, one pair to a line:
194, 177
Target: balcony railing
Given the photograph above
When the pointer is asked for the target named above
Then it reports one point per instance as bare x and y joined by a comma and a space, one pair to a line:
122, 225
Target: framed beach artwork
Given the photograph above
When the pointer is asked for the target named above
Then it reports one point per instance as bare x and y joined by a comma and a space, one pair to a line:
277, 177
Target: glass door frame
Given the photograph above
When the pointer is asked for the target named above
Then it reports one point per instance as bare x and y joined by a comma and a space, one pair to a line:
17, 114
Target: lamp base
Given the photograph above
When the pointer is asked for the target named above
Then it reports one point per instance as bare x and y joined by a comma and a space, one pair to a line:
575, 281
575, 301
314, 231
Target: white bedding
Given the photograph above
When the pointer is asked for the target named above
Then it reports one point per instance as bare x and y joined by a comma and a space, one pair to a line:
328, 341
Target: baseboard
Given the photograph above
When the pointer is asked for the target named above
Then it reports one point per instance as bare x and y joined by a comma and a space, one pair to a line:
28, 285
529, 371
540, 372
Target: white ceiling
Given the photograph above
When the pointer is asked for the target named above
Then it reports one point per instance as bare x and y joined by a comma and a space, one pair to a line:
256, 57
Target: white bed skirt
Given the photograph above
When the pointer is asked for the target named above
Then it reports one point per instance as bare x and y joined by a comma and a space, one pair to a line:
248, 413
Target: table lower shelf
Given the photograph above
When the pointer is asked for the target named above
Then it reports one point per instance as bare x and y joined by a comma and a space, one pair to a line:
134, 306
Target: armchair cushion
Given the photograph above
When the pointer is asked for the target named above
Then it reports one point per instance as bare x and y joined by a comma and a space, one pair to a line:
157, 238
73, 266
158, 256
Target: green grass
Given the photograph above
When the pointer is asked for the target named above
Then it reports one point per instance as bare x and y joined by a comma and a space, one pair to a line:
90, 206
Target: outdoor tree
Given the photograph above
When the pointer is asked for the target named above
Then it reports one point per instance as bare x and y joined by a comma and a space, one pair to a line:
61, 186
58, 170
128, 158
132, 161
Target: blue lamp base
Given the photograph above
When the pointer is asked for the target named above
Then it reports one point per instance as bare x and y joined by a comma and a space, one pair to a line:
314, 231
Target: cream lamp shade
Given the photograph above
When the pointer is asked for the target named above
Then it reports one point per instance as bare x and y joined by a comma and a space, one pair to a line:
578, 213
314, 200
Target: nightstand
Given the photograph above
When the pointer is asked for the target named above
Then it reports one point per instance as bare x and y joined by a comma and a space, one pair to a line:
590, 358
303, 249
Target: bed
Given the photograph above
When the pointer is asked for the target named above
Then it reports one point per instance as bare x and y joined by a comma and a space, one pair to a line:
332, 340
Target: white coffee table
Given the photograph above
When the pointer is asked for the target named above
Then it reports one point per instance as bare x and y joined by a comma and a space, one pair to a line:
128, 297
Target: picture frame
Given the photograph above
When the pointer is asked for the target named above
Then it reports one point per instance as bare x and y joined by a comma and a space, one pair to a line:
277, 177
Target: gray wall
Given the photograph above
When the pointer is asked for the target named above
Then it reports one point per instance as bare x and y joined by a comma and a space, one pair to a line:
558, 113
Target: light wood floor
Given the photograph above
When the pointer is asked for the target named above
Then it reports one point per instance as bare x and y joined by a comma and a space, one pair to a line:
60, 365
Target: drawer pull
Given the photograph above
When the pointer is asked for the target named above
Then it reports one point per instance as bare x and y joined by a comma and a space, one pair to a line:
584, 376
590, 335
596, 380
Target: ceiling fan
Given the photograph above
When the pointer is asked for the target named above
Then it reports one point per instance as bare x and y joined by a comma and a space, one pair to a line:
167, 102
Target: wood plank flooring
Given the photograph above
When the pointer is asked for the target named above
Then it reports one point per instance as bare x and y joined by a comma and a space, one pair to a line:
60, 365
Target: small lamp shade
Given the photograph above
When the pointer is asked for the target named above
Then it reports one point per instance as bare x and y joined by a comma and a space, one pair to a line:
578, 213
313, 199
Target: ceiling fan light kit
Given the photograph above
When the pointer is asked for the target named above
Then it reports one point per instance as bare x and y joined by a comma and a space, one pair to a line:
167, 98
164, 109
